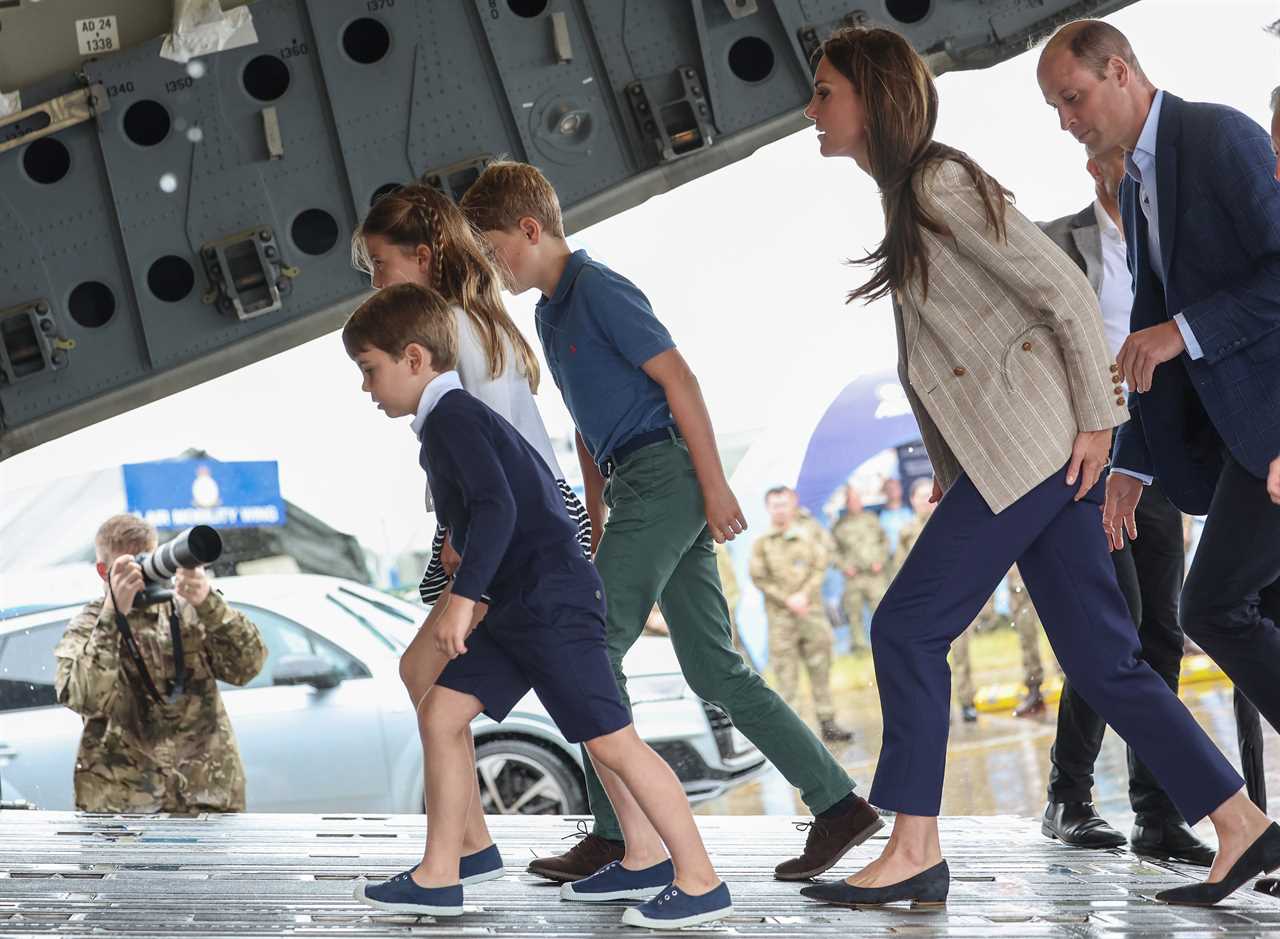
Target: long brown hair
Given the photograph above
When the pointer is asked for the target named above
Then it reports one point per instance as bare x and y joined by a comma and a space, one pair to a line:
461, 268
902, 110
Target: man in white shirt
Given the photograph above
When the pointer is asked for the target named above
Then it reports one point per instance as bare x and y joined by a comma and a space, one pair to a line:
1149, 571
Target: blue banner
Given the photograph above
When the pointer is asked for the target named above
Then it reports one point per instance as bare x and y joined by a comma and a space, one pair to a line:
182, 493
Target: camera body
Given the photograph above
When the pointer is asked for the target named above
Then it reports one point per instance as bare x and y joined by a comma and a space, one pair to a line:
191, 548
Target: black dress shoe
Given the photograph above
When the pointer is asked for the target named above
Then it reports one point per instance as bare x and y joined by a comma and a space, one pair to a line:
969, 714
1171, 841
1077, 824
1261, 857
928, 888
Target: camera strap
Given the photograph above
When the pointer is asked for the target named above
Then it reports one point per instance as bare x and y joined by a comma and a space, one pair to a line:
178, 685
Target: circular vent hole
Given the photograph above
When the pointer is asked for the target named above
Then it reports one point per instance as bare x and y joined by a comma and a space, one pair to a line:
366, 40
46, 160
266, 78
171, 278
314, 231
91, 304
527, 8
146, 123
908, 11
751, 59
383, 190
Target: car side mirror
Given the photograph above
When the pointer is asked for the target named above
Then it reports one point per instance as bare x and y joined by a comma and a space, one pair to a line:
305, 670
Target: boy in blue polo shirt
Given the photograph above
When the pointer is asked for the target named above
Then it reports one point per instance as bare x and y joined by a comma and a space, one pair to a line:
648, 452
543, 628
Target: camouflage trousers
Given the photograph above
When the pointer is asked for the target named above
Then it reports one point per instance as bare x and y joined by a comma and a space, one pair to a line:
794, 640
1027, 625
862, 591
962, 668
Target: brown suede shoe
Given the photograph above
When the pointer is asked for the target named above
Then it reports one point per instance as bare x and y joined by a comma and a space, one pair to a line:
582, 860
829, 840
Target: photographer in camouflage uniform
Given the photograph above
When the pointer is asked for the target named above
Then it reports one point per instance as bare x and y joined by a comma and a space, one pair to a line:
156, 738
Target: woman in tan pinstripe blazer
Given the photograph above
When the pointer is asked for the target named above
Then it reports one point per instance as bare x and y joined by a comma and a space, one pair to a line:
1002, 356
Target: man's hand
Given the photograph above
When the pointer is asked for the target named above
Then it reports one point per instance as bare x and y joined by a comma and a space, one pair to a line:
1089, 455
449, 558
452, 628
1123, 493
192, 584
798, 604
936, 497
724, 516
125, 583
1273, 481
1144, 350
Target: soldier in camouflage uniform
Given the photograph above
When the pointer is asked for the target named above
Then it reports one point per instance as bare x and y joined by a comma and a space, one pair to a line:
863, 555
788, 565
138, 754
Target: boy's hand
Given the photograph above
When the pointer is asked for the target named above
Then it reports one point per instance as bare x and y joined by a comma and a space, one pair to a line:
451, 629
724, 517
449, 558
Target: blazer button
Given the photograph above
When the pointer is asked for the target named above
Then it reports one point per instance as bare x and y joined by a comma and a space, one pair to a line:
1120, 401
1026, 347
958, 371
1118, 389
1115, 366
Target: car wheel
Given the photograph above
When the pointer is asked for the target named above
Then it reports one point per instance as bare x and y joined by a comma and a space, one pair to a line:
520, 777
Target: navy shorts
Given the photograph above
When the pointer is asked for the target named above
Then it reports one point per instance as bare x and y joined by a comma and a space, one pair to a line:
546, 634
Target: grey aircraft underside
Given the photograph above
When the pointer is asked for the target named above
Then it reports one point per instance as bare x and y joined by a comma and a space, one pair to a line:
166, 223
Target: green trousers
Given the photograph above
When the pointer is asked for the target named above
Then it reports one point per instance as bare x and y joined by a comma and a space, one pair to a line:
656, 547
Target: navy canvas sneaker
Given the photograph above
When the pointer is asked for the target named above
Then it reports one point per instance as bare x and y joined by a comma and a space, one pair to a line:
401, 895
615, 882
481, 866
675, 909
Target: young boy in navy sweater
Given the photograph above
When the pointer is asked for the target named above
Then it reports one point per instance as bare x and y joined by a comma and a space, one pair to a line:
543, 628
648, 452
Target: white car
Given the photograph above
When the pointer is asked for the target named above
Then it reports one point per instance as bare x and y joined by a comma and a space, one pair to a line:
326, 726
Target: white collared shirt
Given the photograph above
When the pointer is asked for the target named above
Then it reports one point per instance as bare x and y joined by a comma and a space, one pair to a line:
1115, 291
431, 395
1140, 165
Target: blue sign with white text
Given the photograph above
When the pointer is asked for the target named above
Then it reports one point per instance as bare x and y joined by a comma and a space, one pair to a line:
182, 493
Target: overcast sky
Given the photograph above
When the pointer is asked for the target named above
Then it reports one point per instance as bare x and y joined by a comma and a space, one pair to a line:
744, 266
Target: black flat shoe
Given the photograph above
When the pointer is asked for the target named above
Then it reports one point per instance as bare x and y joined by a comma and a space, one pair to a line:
1079, 825
1170, 841
928, 888
1261, 857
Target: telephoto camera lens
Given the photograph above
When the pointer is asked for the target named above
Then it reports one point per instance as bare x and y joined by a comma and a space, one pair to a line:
191, 548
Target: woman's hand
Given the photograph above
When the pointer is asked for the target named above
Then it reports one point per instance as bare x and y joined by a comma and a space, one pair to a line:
937, 491
1089, 457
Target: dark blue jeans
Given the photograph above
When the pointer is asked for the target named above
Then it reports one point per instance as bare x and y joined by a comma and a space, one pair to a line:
1060, 548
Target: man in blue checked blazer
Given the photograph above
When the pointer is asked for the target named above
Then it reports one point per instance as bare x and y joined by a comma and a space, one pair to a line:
1201, 212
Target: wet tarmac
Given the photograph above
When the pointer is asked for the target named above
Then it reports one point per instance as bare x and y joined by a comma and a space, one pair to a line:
1000, 765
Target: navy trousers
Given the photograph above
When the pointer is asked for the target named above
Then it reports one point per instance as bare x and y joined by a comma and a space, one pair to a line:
1061, 550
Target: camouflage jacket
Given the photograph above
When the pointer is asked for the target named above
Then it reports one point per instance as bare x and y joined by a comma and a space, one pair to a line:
861, 542
789, 562
139, 755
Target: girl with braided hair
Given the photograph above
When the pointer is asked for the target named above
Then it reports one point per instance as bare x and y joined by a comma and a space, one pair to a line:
415, 234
